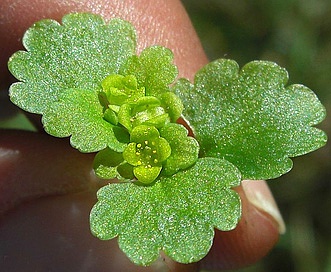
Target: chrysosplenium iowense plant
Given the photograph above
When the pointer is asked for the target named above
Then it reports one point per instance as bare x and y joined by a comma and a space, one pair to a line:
86, 80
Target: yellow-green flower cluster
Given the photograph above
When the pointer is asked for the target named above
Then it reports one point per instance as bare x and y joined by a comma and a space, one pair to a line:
143, 117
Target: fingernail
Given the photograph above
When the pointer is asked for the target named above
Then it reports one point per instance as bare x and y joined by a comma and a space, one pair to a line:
259, 194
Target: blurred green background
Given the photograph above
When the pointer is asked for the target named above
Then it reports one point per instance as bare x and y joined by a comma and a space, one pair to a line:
297, 35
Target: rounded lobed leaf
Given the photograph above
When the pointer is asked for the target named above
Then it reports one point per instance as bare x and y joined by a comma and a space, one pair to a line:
153, 69
177, 214
78, 54
250, 117
78, 114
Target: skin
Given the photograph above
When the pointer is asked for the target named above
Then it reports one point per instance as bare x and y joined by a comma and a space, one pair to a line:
47, 188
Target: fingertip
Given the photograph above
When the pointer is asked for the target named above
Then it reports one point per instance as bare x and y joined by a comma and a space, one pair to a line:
253, 238
41, 227
161, 22
34, 165
259, 195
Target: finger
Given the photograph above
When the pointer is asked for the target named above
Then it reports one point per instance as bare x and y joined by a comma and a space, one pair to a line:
255, 235
243, 246
34, 165
175, 267
157, 23
41, 165
53, 234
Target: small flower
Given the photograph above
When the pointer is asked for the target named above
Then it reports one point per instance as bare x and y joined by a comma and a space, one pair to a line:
147, 111
146, 152
120, 89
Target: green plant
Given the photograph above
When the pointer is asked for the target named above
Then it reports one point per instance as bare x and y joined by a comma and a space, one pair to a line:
172, 190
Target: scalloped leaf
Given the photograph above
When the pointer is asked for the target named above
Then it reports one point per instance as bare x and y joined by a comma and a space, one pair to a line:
76, 55
250, 117
153, 69
79, 114
177, 214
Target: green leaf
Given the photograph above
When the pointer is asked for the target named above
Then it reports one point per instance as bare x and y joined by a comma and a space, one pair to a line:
110, 116
76, 55
250, 117
176, 215
145, 103
153, 69
184, 149
106, 163
78, 114
172, 105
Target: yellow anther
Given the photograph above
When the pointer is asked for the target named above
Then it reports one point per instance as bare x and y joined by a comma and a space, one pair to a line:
156, 161
146, 142
138, 153
154, 151
139, 145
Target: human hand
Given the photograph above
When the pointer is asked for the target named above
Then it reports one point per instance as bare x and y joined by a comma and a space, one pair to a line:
52, 232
